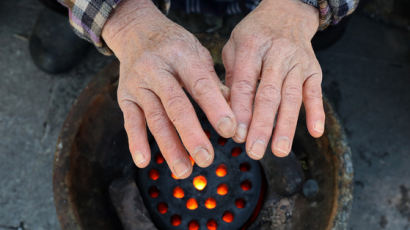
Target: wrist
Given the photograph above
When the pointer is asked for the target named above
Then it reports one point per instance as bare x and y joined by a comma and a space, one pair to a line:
125, 16
302, 17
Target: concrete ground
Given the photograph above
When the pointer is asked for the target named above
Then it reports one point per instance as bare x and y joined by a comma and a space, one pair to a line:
366, 76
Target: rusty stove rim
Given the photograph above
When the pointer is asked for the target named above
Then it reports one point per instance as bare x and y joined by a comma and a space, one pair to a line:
65, 207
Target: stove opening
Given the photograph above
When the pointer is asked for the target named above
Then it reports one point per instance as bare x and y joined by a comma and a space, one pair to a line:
226, 195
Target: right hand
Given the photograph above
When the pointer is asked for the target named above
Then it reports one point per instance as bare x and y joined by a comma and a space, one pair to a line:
158, 58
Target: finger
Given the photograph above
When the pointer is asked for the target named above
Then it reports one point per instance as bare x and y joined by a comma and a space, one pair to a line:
165, 134
267, 101
134, 123
288, 113
246, 72
313, 102
182, 115
228, 59
198, 76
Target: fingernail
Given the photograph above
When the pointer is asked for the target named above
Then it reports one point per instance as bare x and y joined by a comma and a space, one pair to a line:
139, 158
181, 167
258, 149
282, 146
226, 127
202, 156
240, 134
319, 126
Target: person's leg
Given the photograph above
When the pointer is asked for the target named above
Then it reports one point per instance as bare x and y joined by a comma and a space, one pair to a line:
53, 46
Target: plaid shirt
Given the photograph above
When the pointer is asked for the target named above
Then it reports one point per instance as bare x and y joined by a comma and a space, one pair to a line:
88, 17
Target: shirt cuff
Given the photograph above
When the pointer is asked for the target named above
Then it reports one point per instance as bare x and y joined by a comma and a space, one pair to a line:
332, 11
88, 17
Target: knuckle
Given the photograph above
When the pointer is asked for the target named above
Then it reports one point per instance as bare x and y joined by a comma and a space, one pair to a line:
174, 102
268, 94
244, 87
177, 109
201, 87
156, 120
290, 121
262, 126
244, 109
292, 94
313, 93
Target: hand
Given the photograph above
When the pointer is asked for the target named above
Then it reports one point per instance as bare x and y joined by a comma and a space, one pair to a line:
273, 44
158, 58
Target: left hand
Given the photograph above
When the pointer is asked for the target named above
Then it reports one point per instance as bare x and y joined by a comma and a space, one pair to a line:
273, 44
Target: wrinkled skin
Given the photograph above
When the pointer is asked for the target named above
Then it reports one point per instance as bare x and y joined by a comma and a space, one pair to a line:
273, 44
159, 58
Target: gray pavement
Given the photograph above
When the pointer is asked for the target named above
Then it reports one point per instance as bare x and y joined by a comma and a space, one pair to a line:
366, 76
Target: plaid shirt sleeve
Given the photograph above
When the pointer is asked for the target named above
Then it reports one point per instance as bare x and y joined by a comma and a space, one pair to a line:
88, 17
332, 11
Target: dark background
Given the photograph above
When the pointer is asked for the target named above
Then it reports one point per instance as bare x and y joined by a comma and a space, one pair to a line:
366, 77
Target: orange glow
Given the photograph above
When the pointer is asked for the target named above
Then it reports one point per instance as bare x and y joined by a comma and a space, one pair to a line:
240, 203
191, 204
222, 141
221, 170
244, 167
193, 225
153, 174
192, 160
211, 225
246, 185
159, 159
199, 182
162, 208
179, 192
222, 189
173, 176
227, 217
236, 151
208, 134
210, 203
153, 192
175, 220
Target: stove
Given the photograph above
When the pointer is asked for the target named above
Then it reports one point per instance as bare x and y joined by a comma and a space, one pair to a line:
97, 186
225, 195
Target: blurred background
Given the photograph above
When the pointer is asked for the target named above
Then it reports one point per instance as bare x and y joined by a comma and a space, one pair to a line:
366, 78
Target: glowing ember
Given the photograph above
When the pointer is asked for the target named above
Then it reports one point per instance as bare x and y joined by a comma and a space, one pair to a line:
153, 174
246, 185
222, 189
236, 151
221, 171
227, 217
222, 141
173, 176
244, 167
211, 225
153, 192
175, 220
199, 182
191, 204
240, 203
159, 159
208, 134
210, 203
192, 160
178, 192
162, 208
193, 225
